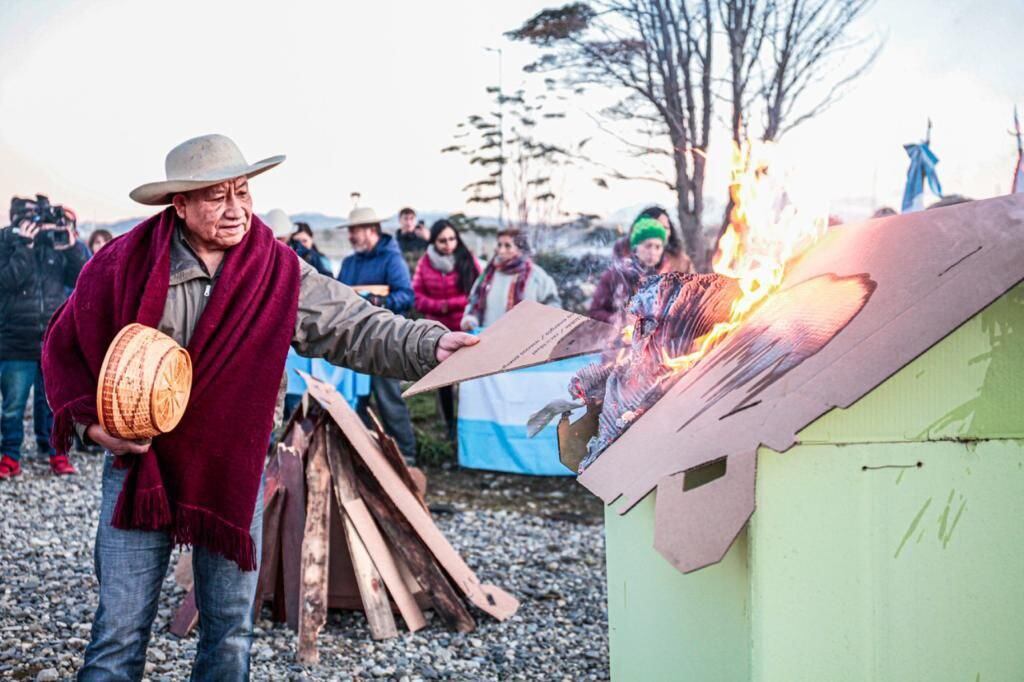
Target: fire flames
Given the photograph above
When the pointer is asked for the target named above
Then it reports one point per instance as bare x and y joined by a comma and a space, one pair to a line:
768, 227
675, 319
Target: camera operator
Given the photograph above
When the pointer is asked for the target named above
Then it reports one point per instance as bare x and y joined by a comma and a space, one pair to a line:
40, 259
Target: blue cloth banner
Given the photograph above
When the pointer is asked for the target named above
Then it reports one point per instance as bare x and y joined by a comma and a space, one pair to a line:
493, 413
920, 173
350, 384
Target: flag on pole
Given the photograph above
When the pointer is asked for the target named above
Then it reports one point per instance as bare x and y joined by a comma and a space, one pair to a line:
921, 176
1018, 175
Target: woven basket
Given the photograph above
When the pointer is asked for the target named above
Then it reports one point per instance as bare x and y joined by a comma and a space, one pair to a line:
144, 384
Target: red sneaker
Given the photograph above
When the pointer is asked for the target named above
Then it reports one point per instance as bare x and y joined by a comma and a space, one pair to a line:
9, 468
60, 466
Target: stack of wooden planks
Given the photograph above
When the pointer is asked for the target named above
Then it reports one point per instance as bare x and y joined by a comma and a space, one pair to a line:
345, 526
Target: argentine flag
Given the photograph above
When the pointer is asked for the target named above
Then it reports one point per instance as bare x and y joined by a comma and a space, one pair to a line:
493, 413
922, 179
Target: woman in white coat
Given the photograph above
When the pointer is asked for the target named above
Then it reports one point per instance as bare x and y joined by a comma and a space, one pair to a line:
509, 278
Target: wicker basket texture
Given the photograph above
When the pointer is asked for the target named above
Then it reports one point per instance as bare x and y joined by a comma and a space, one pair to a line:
144, 384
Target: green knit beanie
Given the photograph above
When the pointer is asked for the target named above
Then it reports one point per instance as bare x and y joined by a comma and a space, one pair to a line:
647, 228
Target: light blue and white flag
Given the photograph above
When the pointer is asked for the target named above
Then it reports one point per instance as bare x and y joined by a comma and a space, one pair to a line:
492, 419
350, 384
921, 177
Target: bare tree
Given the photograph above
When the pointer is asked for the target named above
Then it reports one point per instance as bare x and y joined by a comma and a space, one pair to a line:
806, 40
745, 23
518, 167
784, 52
659, 52
783, 68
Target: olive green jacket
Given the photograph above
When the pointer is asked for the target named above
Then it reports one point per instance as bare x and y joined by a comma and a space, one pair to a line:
333, 322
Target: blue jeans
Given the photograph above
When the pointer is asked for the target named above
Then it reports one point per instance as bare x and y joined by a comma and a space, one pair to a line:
130, 567
17, 378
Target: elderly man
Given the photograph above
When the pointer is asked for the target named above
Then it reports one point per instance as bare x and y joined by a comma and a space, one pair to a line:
210, 274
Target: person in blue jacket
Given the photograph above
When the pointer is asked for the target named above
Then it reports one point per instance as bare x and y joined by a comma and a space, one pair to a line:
379, 273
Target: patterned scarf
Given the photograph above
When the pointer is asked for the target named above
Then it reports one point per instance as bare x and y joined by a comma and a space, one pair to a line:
519, 266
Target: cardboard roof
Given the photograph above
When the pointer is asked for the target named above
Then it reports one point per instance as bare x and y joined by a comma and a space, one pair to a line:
858, 306
862, 303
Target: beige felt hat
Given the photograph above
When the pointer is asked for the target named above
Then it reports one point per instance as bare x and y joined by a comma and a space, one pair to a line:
280, 223
200, 162
362, 215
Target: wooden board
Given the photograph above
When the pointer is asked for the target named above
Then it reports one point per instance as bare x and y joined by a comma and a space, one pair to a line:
339, 460
313, 593
371, 586
293, 523
416, 555
342, 590
270, 562
489, 598
395, 458
186, 617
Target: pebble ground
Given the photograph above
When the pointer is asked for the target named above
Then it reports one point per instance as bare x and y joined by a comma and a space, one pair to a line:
553, 563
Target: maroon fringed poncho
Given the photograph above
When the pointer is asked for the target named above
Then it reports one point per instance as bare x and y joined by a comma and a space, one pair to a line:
199, 482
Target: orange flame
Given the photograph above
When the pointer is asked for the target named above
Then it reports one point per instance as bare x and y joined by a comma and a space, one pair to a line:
767, 230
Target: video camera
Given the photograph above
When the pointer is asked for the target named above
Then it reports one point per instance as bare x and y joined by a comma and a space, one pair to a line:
41, 211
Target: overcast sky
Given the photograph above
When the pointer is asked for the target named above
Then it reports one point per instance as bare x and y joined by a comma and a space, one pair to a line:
362, 97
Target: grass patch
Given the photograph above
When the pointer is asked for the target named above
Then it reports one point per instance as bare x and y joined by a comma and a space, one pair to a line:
434, 447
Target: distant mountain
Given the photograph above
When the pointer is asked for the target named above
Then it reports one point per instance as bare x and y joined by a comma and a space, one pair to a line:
317, 221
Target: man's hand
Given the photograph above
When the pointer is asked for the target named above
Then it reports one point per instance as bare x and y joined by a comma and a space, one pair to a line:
451, 342
72, 238
28, 230
118, 446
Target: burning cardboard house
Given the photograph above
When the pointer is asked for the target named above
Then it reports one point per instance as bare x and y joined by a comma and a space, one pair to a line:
857, 461
345, 526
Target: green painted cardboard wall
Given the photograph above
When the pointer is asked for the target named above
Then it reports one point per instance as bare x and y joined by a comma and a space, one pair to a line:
858, 564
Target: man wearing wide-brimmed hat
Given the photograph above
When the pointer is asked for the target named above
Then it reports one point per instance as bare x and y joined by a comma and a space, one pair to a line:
209, 273
378, 271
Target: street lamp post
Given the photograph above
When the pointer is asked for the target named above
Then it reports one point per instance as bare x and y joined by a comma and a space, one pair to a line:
501, 142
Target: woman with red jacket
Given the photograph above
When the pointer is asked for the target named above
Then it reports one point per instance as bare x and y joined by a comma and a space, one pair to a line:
441, 283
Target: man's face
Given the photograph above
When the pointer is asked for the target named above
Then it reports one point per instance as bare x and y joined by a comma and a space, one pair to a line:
362, 237
407, 222
217, 217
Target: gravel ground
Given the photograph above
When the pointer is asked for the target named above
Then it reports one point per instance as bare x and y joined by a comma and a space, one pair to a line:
555, 567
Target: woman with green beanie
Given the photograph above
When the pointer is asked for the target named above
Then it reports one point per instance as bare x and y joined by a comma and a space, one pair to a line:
647, 241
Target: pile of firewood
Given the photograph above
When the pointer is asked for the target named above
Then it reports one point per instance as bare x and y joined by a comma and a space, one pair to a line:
345, 526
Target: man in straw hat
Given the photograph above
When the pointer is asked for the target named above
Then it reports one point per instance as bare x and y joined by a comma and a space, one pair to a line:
209, 273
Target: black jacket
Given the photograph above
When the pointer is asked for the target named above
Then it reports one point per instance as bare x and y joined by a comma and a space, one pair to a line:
33, 284
410, 242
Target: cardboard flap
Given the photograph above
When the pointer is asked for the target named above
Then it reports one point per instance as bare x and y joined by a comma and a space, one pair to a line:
695, 526
529, 334
857, 307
